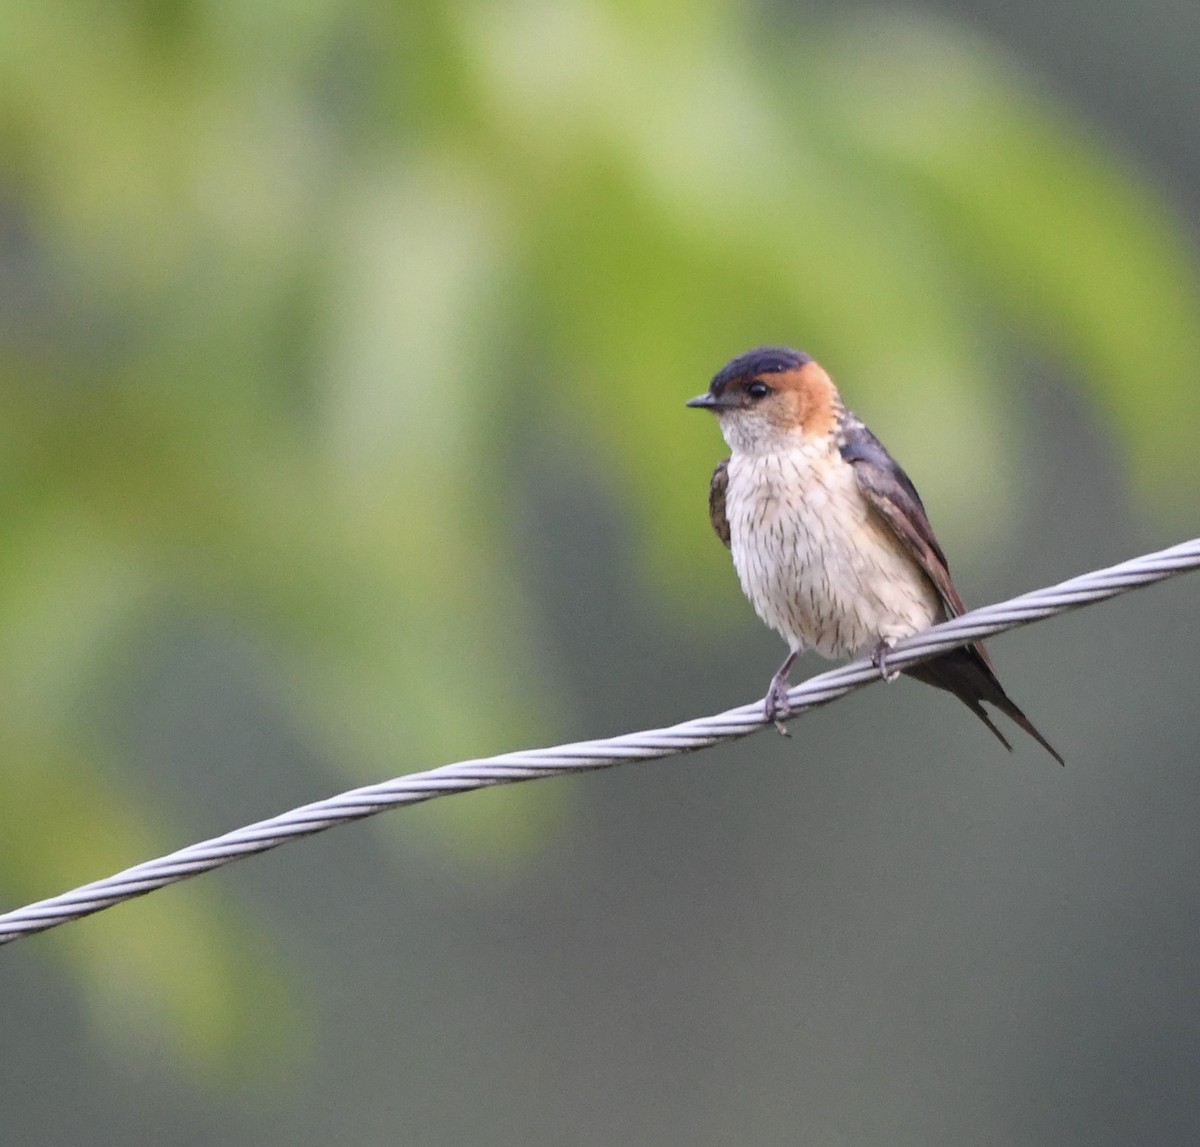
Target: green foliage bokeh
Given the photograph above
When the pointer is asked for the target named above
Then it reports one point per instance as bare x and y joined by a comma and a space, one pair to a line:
290, 283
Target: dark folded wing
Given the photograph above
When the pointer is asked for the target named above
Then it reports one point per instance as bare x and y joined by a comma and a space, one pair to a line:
895, 499
716, 500
966, 672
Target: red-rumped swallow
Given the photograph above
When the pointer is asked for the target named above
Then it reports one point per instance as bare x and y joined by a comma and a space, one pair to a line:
829, 537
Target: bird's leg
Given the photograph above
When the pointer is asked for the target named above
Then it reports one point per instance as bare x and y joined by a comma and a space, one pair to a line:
880, 658
776, 707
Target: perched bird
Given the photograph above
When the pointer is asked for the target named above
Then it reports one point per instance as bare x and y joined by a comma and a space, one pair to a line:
829, 537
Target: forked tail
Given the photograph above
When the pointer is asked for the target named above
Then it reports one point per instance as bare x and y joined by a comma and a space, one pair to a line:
966, 674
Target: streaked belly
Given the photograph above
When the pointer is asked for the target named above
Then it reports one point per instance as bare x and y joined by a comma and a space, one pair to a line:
815, 562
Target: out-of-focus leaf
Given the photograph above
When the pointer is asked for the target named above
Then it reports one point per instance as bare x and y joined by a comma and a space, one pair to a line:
176, 967
295, 282
1065, 238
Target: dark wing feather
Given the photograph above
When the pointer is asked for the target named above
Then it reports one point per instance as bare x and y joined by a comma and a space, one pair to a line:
965, 672
895, 499
716, 500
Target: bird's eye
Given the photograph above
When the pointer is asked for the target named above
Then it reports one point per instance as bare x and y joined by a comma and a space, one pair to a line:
758, 389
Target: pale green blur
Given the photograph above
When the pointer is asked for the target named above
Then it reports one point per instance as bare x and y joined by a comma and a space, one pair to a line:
289, 286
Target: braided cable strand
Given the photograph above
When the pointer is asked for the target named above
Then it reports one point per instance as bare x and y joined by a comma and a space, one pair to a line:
582, 756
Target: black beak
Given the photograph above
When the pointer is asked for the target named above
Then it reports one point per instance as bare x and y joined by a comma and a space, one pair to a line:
705, 401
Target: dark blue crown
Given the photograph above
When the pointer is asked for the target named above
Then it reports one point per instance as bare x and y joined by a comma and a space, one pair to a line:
761, 360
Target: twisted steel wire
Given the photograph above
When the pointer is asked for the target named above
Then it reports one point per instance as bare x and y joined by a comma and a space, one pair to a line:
507, 768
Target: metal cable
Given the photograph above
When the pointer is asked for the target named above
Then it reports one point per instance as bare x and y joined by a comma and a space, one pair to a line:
584, 755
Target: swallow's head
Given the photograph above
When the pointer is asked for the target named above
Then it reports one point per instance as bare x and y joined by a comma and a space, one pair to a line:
770, 399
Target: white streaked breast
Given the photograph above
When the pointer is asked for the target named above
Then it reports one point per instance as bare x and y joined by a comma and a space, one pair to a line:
815, 562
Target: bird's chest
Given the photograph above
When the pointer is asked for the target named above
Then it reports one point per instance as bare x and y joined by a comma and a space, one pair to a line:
814, 560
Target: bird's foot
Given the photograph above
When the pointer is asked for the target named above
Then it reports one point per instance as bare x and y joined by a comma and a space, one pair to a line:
776, 707
880, 658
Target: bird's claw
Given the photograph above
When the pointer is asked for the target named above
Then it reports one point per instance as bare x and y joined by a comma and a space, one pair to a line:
776, 707
880, 658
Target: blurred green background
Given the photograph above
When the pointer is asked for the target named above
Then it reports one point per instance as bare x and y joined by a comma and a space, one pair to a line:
343, 353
